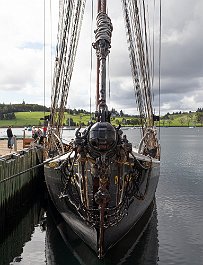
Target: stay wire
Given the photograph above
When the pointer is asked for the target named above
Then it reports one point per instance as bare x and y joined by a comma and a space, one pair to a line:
91, 59
50, 10
153, 47
44, 59
160, 37
109, 81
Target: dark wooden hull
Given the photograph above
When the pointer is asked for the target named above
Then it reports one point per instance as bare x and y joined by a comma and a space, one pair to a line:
112, 234
129, 249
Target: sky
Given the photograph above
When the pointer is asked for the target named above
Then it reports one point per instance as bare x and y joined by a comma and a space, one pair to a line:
25, 77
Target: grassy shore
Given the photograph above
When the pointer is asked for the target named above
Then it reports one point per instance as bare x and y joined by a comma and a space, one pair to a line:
25, 119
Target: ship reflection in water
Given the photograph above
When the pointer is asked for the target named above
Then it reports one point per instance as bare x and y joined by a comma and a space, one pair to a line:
63, 245
22, 239
21, 236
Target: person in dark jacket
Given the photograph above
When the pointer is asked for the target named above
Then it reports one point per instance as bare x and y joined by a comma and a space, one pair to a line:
10, 136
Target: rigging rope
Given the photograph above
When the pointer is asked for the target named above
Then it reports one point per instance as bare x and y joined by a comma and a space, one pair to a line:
63, 36
91, 59
138, 42
50, 11
108, 76
134, 65
160, 35
153, 47
44, 57
71, 15
109, 81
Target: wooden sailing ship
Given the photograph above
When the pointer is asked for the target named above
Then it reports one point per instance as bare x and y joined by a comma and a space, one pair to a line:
99, 183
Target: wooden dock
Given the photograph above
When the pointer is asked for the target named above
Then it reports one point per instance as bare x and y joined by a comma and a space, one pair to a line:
4, 150
18, 171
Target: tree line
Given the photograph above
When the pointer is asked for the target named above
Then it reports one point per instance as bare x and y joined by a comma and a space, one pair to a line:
7, 111
199, 110
9, 108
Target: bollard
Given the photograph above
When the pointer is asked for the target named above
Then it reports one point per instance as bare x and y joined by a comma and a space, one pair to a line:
15, 143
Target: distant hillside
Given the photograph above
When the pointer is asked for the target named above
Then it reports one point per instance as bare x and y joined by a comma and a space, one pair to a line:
10, 108
183, 119
24, 115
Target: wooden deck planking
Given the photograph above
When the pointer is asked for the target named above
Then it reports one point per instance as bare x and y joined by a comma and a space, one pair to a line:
4, 150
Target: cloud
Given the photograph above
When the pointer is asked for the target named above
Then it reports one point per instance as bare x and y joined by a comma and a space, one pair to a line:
182, 55
22, 51
22, 56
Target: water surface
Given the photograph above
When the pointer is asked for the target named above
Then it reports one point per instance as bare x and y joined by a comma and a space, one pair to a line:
174, 235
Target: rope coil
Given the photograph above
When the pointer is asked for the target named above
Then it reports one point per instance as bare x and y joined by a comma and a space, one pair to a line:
104, 28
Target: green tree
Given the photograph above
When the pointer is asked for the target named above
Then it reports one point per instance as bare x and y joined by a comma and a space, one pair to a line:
121, 113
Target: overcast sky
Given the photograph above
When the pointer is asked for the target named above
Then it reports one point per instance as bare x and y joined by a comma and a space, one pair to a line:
22, 56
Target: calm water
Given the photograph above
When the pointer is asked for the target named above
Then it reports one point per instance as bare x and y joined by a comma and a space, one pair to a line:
18, 132
174, 235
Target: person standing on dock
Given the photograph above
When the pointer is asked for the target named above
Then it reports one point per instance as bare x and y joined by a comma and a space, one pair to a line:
44, 130
10, 136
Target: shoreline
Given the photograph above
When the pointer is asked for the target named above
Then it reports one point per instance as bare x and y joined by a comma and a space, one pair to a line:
75, 127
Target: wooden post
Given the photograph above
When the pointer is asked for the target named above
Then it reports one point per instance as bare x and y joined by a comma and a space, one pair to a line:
15, 143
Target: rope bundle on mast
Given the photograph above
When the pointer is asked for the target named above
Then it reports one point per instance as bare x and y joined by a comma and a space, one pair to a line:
104, 28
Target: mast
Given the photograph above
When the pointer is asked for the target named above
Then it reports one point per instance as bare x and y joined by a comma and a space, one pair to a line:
98, 66
102, 46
